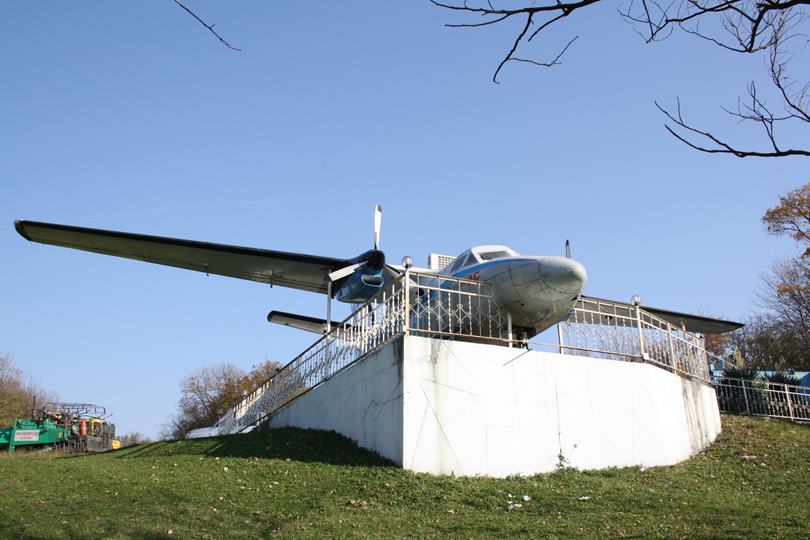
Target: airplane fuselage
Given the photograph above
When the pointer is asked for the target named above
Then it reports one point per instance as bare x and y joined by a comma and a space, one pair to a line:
536, 291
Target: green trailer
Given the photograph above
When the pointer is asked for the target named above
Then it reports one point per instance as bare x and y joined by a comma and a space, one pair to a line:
24, 432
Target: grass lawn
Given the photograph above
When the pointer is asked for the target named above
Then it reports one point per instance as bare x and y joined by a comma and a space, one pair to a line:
753, 482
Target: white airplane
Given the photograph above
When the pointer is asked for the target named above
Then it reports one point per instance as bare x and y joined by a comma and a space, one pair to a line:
538, 291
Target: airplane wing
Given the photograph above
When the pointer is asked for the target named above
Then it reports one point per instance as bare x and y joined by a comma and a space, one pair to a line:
299, 271
692, 323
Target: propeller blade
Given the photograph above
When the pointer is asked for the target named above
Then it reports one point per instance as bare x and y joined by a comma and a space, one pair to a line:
345, 271
392, 271
377, 225
568, 249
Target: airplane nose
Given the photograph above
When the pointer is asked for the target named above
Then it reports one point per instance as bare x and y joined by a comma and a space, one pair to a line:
564, 275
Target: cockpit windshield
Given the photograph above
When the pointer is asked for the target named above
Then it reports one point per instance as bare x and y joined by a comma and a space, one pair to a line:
465, 259
477, 255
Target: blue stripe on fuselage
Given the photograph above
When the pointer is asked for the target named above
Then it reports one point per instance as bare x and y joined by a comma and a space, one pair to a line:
477, 267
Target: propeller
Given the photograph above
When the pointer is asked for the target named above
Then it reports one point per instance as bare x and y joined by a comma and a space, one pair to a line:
377, 225
341, 273
568, 249
345, 271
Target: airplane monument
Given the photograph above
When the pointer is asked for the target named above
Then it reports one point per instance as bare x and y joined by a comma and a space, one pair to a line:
437, 370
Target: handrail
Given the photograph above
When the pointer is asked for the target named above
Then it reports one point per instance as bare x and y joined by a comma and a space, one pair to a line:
364, 330
438, 306
761, 397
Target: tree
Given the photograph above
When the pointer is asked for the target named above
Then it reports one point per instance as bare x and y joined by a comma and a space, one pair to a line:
13, 398
770, 27
791, 217
764, 344
132, 438
717, 344
17, 395
779, 337
208, 393
774, 28
786, 292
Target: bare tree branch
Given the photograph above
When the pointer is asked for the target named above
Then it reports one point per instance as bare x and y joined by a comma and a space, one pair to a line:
513, 49
558, 7
720, 146
210, 27
740, 26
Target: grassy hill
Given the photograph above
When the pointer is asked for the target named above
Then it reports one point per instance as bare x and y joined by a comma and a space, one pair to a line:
293, 483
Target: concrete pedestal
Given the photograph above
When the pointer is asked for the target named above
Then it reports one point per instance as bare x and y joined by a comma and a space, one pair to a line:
450, 407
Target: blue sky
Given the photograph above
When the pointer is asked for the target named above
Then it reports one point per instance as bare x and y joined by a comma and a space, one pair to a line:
130, 116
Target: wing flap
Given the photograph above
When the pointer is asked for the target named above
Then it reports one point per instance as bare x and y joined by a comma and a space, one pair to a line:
299, 271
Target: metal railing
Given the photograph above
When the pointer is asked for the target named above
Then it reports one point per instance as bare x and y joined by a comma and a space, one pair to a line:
370, 326
439, 306
621, 332
763, 398
454, 308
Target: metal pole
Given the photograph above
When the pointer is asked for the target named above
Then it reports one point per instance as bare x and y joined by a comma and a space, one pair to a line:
640, 332
671, 347
560, 336
790, 405
745, 397
509, 327
406, 317
329, 306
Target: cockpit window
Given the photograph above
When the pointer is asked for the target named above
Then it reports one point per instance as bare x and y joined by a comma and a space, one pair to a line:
492, 255
465, 259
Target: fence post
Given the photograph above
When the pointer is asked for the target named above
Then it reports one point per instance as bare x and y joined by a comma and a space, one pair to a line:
790, 405
560, 336
329, 306
640, 333
406, 318
671, 346
745, 397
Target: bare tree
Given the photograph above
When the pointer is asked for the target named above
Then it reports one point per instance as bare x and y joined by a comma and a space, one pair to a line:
771, 27
132, 438
210, 27
208, 393
779, 337
16, 393
764, 344
786, 294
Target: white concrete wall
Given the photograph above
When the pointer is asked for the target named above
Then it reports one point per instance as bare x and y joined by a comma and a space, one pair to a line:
363, 402
472, 409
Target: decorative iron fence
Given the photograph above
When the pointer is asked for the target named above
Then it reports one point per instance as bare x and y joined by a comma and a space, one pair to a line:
439, 307
621, 332
763, 398
370, 326
454, 308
